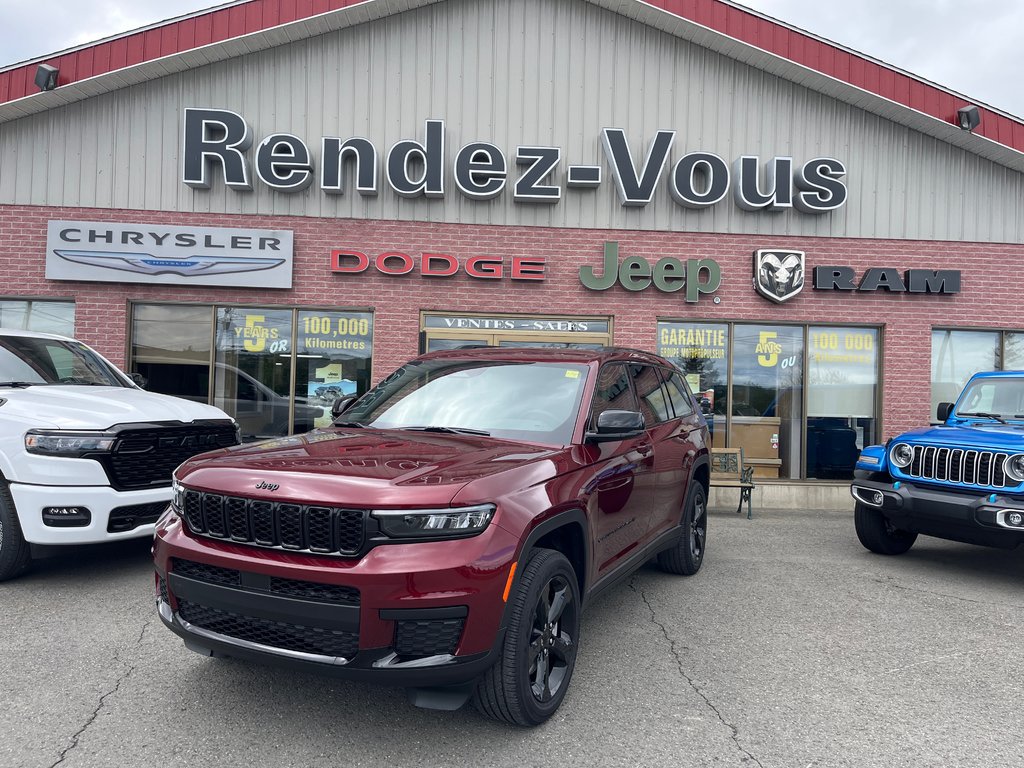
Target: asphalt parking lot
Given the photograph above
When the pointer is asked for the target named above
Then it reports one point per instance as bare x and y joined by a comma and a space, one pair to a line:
792, 647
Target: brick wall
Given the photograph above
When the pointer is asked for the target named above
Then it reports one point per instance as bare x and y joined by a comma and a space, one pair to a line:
990, 295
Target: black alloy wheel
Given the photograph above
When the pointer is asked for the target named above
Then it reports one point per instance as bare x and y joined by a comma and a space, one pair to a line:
687, 554
551, 648
530, 679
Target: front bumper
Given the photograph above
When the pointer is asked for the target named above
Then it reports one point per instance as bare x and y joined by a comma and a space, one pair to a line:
113, 515
412, 615
973, 517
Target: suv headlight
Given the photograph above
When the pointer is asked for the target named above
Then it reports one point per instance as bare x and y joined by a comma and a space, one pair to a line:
60, 442
434, 523
901, 454
177, 497
1014, 467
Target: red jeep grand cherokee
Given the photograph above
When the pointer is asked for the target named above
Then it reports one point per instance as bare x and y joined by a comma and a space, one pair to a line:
446, 532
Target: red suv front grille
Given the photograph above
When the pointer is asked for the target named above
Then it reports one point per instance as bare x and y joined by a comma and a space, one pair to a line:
298, 527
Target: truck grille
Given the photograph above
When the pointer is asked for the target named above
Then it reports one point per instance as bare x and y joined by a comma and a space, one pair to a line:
299, 527
957, 465
145, 458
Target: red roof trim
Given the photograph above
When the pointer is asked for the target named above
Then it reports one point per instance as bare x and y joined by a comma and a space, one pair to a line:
841, 64
232, 21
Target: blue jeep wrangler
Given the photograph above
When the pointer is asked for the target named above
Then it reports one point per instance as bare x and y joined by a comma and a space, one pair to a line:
961, 480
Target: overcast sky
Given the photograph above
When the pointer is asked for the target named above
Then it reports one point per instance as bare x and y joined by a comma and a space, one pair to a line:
972, 47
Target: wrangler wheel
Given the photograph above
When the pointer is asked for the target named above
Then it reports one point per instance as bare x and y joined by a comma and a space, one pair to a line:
878, 535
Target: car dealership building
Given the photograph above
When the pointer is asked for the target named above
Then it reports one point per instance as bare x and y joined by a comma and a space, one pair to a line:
274, 202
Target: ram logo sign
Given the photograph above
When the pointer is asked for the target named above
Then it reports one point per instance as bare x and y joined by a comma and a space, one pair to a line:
778, 275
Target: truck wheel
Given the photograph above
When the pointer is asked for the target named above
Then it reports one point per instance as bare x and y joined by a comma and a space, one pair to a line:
685, 557
15, 554
530, 678
877, 534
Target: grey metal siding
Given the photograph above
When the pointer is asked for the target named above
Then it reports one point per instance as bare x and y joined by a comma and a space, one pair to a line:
544, 72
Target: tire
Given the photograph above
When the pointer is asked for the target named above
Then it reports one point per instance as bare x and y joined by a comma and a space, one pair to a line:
686, 555
528, 682
878, 535
15, 554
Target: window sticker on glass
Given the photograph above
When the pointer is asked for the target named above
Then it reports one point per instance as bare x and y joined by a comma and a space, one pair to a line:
572, 374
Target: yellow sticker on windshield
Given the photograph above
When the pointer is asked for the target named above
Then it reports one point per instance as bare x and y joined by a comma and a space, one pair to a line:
572, 374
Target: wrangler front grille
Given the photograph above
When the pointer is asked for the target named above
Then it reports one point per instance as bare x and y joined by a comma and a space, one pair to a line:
299, 527
959, 465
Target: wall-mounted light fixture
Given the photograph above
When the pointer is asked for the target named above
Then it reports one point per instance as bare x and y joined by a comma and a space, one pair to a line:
968, 118
46, 77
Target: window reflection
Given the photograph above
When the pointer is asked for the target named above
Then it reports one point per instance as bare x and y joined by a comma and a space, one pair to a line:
958, 355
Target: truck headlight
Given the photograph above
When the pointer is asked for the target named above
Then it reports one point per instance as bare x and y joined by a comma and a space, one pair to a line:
1014, 467
434, 523
60, 442
901, 454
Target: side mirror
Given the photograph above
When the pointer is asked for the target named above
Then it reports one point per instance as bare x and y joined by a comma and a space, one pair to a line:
943, 411
138, 380
616, 425
705, 406
339, 405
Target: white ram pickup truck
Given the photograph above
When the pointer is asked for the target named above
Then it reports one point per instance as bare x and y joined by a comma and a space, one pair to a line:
86, 455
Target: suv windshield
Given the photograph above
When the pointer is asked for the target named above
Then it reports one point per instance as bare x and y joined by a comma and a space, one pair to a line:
526, 401
995, 398
26, 361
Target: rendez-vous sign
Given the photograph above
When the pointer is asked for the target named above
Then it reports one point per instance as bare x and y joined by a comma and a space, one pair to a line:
218, 141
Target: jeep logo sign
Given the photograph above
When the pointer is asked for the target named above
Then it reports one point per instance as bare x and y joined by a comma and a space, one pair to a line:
669, 274
217, 141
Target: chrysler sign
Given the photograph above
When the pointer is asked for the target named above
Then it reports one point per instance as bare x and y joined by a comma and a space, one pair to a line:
218, 144
156, 253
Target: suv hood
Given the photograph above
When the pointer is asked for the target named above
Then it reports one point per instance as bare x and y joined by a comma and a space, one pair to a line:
368, 468
68, 406
1008, 437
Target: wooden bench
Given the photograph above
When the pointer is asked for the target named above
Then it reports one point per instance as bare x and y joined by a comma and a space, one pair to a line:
728, 471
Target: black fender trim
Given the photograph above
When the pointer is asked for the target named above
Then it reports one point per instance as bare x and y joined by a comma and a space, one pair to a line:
574, 516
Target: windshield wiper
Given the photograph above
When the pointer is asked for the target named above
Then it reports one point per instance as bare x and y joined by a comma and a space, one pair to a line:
450, 430
19, 384
982, 415
348, 424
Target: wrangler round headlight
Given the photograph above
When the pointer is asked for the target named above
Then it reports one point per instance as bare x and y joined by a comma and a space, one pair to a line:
434, 523
901, 454
1014, 467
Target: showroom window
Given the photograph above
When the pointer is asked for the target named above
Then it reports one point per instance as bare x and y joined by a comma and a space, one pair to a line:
800, 401
958, 355
44, 316
276, 370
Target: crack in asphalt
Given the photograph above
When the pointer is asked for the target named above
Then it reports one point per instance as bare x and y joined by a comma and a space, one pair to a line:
735, 732
103, 699
889, 582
